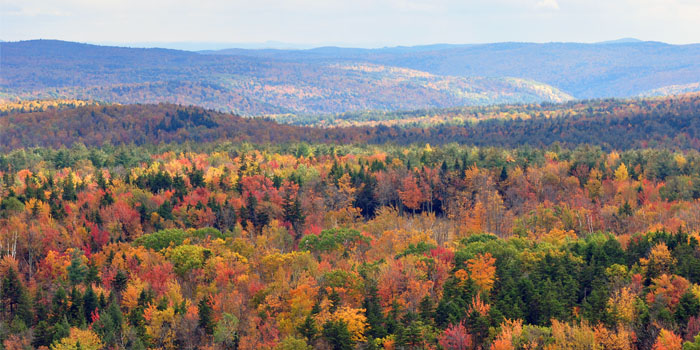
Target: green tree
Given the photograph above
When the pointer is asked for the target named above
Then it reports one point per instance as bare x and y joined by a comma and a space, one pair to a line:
294, 214
109, 326
15, 305
308, 329
337, 335
694, 345
206, 322
76, 315
69, 192
77, 271
120, 281
89, 303
373, 312
226, 332
292, 343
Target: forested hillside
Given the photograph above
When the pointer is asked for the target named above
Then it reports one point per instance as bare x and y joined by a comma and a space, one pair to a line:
611, 124
345, 247
246, 85
611, 69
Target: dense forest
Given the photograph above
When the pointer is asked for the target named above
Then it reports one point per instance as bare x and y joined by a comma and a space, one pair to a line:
300, 246
671, 122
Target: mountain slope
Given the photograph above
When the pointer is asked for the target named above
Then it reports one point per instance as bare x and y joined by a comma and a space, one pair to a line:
610, 69
242, 84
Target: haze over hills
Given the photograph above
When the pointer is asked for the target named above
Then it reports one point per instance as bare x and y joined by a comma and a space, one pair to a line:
619, 68
243, 84
330, 80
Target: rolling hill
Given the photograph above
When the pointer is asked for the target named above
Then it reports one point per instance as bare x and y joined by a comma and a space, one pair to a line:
618, 124
621, 68
242, 84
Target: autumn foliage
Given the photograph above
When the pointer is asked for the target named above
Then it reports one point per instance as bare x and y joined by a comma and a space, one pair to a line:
322, 246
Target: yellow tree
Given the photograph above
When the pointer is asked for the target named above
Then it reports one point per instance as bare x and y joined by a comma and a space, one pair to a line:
660, 259
621, 174
482, 269
161, 326
594, 185
355, 320
79, 339
622, 305
573, 337
474, 221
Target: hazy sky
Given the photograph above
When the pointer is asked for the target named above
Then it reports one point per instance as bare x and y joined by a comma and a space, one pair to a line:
368, 23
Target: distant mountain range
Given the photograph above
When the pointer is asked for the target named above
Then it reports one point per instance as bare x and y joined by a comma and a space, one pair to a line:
337, 80
244, 84
620, 68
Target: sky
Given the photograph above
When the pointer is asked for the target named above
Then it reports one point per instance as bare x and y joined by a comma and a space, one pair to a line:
350, 23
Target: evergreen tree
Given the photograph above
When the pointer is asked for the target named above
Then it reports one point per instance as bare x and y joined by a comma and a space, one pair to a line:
206, 322
76, 315
426, 309
109, 325
59, 306
165, 210
338, 336
373, 312
411, 332
43, 335
69, 192
77, 271
334, 298
14, 300
61, 329
89, 303
308, 329
120, 281
688, 307
294, 214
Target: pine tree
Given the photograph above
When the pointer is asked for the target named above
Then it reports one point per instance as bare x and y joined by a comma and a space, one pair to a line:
165, 210
426, 310
77, 271
308, 329
334, 298
373, 312
59, 305
293, 213
89, 303
43, 335
109, 325
14, 301
119, 282
206, 322
75, 311
338, 335
69, 193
